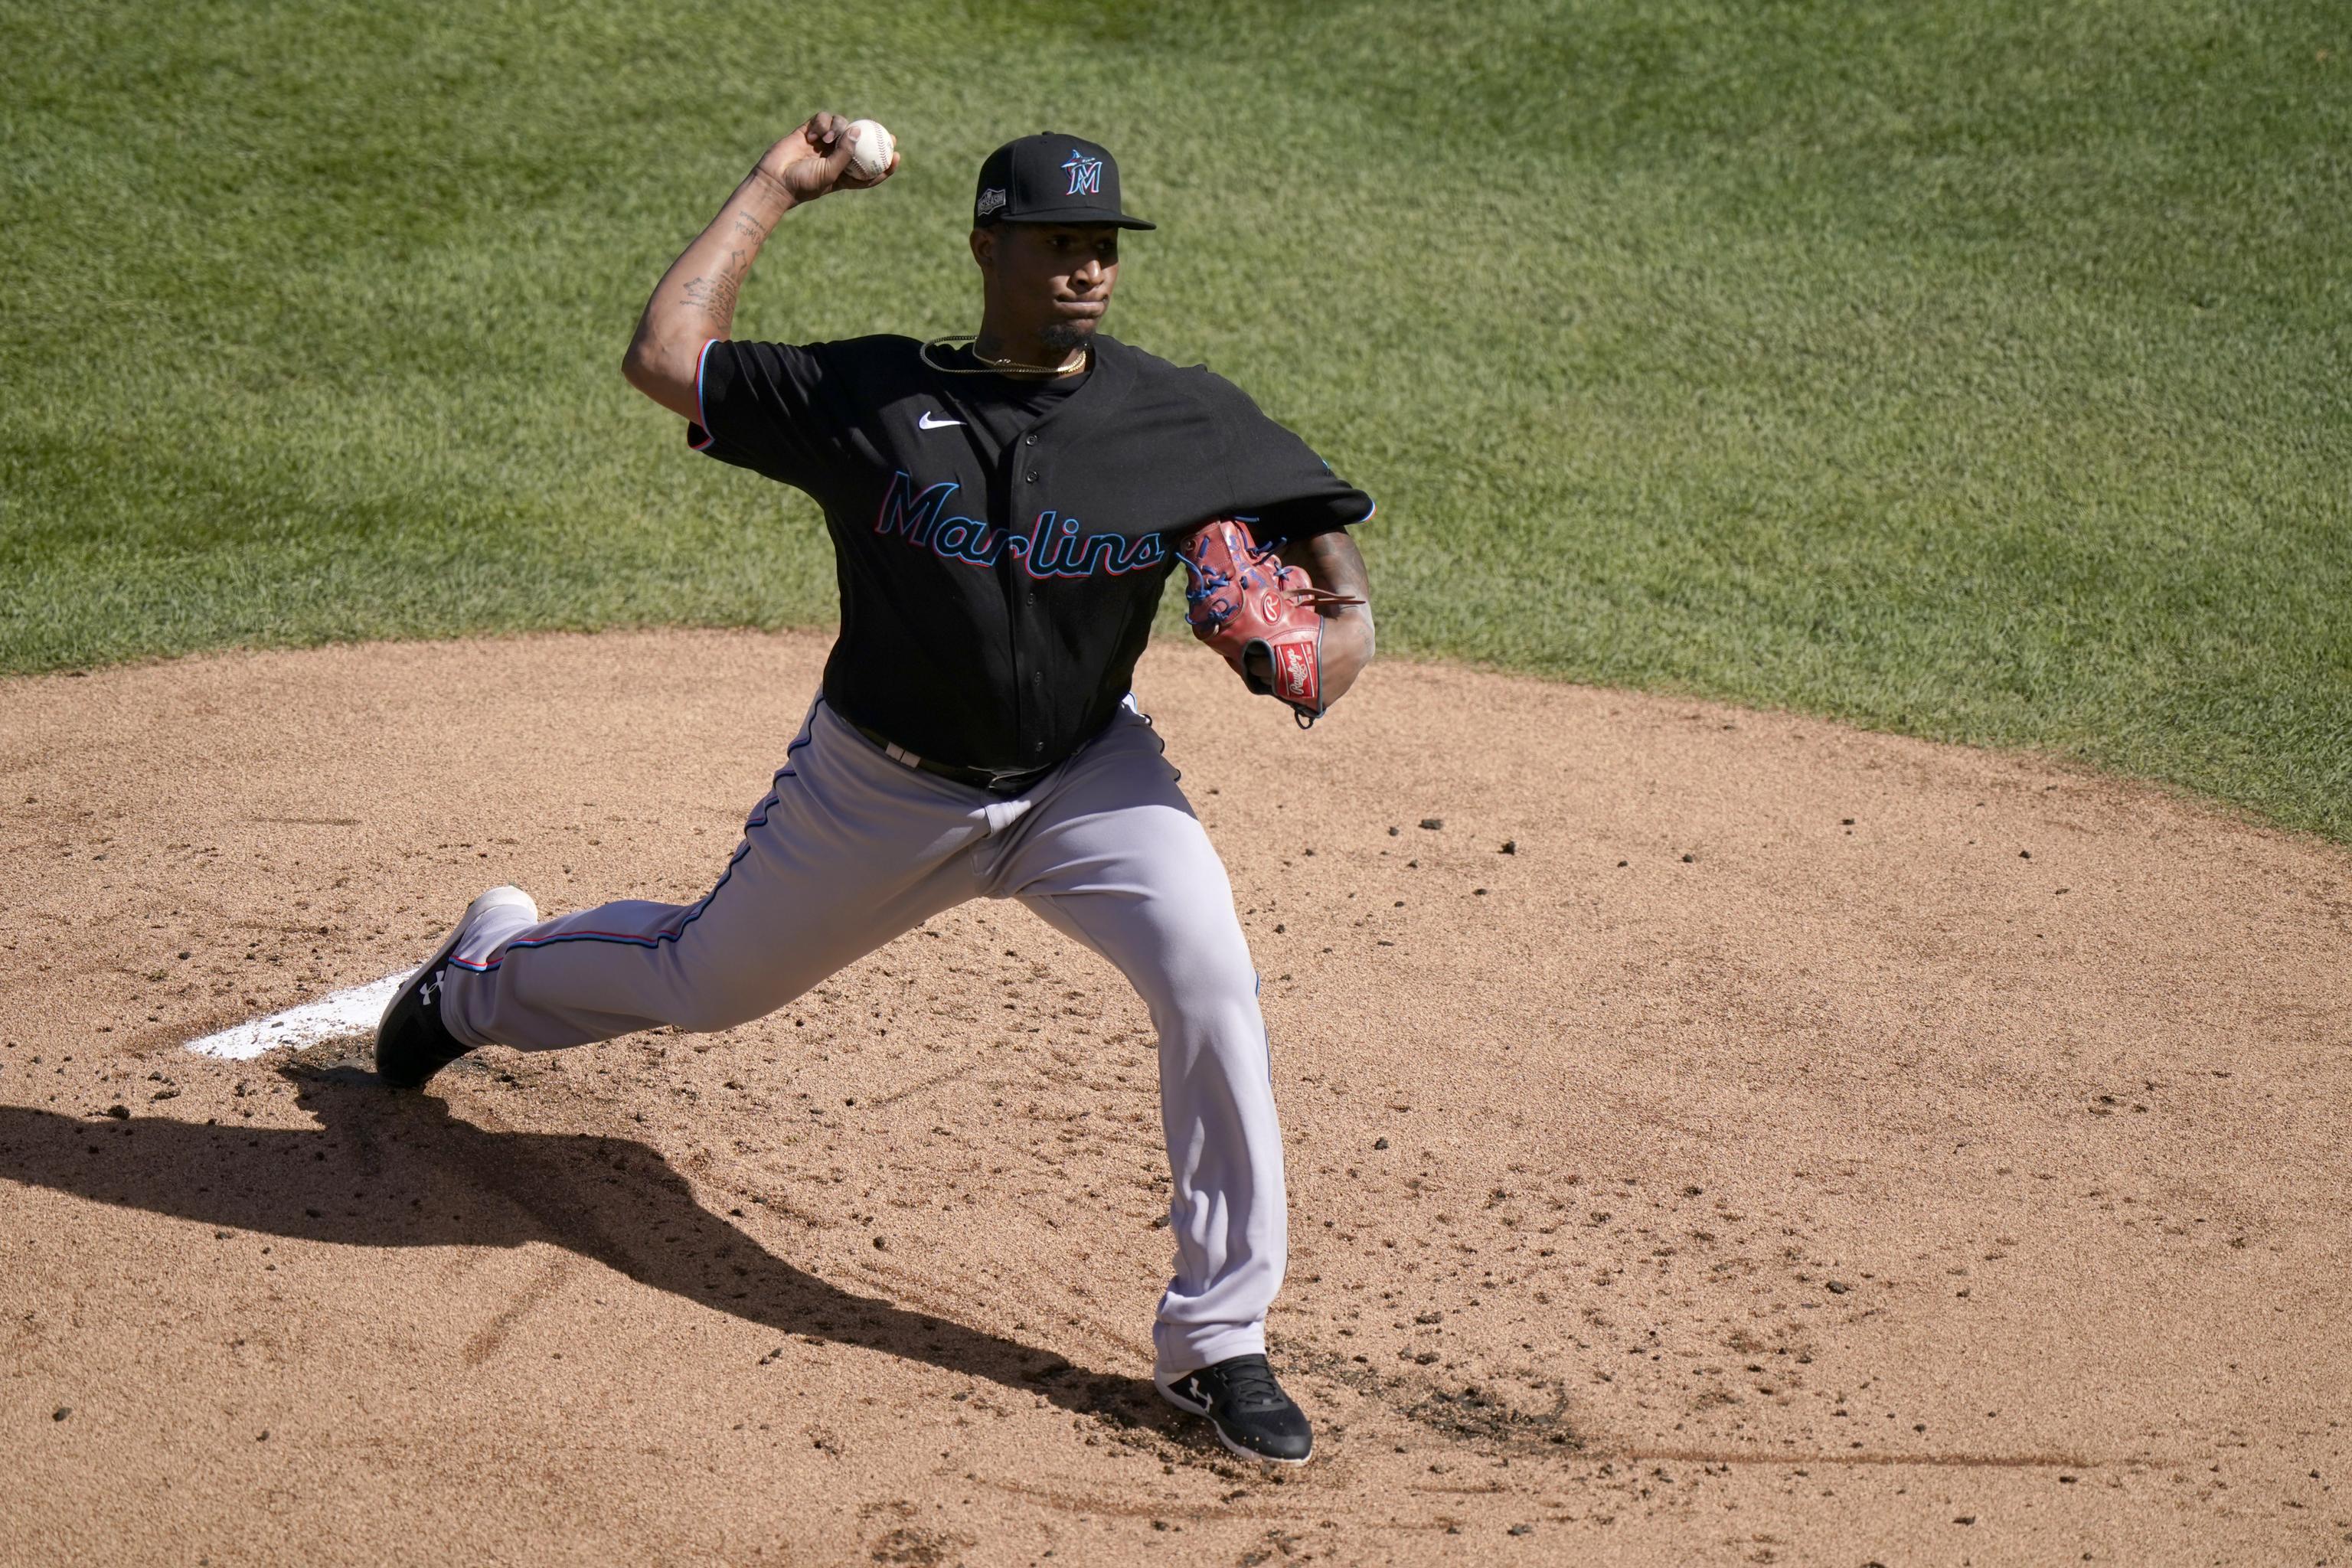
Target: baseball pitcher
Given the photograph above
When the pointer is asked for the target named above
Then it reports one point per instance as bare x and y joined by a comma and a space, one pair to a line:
1004, 512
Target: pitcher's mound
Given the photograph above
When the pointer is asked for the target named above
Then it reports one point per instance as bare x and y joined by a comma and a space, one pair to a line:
1713, 1137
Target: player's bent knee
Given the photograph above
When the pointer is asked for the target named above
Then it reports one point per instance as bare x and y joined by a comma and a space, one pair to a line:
1218, 1008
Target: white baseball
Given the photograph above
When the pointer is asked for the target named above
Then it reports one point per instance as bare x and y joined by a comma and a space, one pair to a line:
869, 156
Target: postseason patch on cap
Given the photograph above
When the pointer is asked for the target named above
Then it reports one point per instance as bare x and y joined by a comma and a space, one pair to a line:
989, 200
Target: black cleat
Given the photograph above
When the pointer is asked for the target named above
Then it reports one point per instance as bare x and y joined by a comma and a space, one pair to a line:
411, 1044
1252, 1415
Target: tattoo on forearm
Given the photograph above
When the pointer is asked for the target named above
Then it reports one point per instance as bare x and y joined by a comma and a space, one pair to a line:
716, 292
716, 295
774, 185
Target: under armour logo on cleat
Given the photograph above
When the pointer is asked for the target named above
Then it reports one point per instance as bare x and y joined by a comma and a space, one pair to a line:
928, 423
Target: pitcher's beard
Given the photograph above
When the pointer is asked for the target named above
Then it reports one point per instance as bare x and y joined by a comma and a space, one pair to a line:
1064, 338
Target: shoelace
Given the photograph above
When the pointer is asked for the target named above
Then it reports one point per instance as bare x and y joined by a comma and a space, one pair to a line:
1251, 1386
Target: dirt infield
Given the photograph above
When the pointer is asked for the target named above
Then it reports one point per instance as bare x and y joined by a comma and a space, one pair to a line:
1713, 1137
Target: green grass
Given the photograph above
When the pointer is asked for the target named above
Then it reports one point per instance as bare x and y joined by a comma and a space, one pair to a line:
1977, 370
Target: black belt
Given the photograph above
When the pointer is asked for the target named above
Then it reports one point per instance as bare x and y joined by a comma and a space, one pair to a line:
995, 781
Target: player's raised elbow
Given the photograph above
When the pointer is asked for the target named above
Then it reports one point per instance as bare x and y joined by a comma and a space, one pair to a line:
642, 366
664, 374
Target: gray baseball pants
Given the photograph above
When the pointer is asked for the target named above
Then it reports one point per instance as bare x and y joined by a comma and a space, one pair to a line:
850, 849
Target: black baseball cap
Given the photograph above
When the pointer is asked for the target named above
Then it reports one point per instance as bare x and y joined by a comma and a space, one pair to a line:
1050, 178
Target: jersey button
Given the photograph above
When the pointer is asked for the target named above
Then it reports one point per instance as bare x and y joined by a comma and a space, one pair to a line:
1028, 440
1031, 475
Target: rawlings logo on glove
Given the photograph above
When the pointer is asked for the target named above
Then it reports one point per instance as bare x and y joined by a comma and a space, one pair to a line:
1242, 600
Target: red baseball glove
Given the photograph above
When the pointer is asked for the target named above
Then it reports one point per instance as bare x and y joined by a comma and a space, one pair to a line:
1242, 601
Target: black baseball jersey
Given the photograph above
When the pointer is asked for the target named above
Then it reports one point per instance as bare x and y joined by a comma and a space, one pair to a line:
1001, 542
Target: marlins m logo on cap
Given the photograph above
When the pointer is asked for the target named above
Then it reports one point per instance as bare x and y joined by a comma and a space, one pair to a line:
1086, 174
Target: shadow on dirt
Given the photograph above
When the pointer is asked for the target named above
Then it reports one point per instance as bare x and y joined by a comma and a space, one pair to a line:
396, 1169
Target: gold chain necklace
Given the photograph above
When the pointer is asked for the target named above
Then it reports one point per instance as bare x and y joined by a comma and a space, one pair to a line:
1001, 366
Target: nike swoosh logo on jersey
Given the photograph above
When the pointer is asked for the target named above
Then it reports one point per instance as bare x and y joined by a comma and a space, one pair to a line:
927, 423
